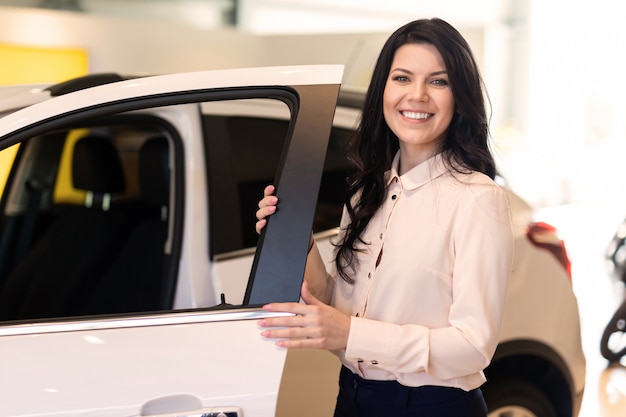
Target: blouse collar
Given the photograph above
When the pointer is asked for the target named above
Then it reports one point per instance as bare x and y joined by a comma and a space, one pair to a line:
418, 175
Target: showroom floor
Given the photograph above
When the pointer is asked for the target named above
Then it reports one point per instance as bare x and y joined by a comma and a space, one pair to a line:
587, 228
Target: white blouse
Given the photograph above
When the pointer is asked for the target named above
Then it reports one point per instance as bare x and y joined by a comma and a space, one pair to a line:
430, 312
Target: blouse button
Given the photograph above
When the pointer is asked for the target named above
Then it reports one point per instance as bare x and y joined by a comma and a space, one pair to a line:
369, 275
381, 236
393, 197
374, 362
359, 360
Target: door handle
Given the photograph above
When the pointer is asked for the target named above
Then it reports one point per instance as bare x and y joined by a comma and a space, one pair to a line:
185, 405
204, 412
213, 412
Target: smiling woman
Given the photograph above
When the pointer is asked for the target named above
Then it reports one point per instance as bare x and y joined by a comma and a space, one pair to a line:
418, 103
414, 325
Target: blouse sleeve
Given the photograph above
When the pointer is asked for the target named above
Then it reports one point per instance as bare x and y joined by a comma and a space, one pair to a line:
483, 245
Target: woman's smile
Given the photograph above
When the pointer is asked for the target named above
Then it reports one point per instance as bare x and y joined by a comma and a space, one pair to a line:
416, 115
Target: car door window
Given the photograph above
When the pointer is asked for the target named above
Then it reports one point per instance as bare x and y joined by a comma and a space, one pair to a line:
85, 218
93, 211
245, 141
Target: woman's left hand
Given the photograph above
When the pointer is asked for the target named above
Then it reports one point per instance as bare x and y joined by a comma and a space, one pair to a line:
314, 326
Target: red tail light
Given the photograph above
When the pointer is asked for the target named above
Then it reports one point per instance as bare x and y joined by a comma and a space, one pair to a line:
545, 236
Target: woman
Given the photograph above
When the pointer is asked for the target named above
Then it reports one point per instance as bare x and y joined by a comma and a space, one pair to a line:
414, 306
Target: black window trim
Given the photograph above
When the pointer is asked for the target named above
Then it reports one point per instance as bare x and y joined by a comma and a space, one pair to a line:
279, 262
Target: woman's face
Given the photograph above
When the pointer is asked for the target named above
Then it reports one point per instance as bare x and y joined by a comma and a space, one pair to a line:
418, 104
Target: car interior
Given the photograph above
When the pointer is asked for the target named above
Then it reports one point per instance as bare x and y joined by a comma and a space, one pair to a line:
97, 248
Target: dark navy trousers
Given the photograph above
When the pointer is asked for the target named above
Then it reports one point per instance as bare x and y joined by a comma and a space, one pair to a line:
359, 397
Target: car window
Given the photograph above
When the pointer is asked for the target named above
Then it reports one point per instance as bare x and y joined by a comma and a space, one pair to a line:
120, 212
246, 154
85, 219
89, 210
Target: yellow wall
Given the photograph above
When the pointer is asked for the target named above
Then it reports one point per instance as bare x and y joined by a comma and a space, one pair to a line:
6, 158
25, 64
64, 191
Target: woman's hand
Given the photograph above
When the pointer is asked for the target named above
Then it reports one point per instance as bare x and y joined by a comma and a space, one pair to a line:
267, 207
314, 326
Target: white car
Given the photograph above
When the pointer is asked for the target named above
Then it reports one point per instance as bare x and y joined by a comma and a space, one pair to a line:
130, 283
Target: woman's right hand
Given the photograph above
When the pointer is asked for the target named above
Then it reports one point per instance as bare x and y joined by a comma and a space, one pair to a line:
267, 207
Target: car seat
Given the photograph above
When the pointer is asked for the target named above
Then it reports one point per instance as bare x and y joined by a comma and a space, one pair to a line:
63, 265
135, 280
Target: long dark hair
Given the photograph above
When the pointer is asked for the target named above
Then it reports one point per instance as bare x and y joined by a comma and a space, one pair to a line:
374, 145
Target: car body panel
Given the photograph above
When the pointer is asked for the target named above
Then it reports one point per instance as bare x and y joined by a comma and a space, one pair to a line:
100, 369
19, 96
547, 323
538, 280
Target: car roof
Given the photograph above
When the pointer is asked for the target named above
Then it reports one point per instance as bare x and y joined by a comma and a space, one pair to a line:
72, 96
16, 97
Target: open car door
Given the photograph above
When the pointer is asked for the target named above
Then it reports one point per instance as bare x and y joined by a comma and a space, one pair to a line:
192, 356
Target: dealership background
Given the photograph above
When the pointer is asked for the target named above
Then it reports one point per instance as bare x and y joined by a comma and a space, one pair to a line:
553, 70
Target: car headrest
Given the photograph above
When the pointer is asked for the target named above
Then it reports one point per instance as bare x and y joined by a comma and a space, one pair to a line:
96, 166
154, 174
